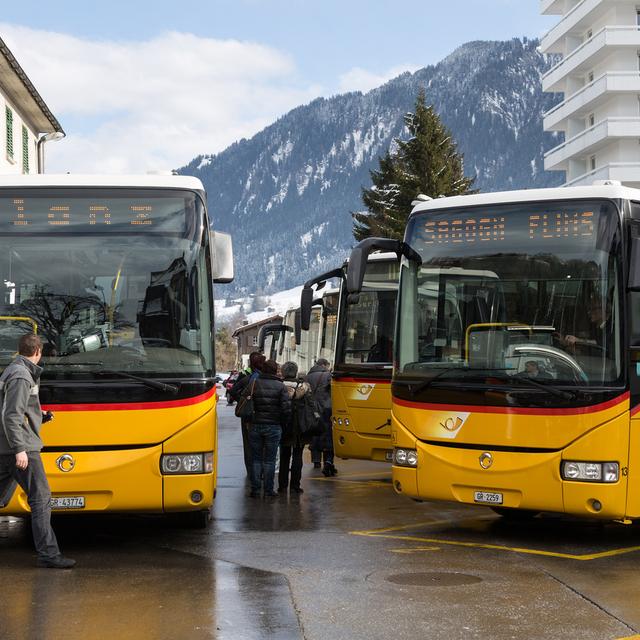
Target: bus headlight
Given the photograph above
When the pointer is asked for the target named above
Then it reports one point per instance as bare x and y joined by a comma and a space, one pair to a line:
186, 463
591, 471
405, 457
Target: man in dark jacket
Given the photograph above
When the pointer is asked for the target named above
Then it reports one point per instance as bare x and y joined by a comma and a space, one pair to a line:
319, 379
20, 447
272, 409
246, 376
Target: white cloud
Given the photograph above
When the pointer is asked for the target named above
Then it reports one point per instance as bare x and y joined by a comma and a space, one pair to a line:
155, 104
359, 79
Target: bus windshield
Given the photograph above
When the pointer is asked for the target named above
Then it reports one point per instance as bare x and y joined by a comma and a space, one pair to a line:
367, 326
118, 279
528, 290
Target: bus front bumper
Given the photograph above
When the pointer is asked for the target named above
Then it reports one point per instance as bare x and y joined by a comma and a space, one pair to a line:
127, 480
348, 444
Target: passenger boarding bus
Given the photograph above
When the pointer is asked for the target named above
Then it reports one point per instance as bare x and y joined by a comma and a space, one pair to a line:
517, 355
360, 387
115, 275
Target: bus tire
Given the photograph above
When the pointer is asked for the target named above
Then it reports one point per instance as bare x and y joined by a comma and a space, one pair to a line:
515, 515
196, 519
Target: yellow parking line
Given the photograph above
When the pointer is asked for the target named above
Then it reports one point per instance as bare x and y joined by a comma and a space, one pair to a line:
413, 525
414, 550
495, 547
637, 637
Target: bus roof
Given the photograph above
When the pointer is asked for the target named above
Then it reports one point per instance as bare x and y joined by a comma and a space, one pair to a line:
378, 256
86, 180
612, 192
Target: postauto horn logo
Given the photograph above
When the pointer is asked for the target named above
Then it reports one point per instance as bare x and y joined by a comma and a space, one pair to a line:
449, 425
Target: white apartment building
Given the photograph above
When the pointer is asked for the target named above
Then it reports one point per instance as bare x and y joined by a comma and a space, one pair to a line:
28, 122
599, 75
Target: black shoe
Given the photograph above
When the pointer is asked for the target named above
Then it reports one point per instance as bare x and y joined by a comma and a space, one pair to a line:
316, 465
59, 562
297, 489
270, 494
326, 470
334, 471
282, 489
254, 494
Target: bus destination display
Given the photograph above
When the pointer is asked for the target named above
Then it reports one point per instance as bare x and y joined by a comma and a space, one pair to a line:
36, 215
496, 228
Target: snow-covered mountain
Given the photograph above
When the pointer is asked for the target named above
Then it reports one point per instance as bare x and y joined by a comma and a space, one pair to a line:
287, 193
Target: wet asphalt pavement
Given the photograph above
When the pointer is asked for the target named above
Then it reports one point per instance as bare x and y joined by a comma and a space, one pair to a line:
347, 559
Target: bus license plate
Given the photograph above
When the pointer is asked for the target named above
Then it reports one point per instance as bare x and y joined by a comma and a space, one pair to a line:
67, 502
487, 497
388, 455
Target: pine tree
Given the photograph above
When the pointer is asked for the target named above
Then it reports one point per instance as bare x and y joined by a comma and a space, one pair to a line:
428, 163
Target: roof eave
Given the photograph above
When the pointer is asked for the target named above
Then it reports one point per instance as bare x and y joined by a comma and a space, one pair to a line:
20, 91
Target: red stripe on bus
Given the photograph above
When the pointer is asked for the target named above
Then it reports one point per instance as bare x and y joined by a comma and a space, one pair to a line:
375, 380
635, 410
132, 406
515, 410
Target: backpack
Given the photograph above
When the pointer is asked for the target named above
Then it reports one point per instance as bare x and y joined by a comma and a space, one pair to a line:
307, 416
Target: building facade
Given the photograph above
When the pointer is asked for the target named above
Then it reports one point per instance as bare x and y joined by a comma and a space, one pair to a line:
247, 337
28, 122
599, 75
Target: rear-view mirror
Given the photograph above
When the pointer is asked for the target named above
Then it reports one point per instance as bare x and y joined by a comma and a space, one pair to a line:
222, 249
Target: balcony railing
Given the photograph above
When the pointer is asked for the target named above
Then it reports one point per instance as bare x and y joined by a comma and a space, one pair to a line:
625, 172
591, 138
627, 36
569, 21
605, 83
553, 6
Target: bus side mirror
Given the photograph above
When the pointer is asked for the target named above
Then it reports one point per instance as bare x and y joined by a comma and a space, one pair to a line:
298, 326
634, 265
306, 302
222, 250
360, 255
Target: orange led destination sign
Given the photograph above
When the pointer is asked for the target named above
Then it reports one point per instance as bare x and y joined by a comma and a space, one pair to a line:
488, 228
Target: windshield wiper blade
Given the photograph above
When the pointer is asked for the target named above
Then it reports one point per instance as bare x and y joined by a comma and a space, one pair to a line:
421, 386
154, 384
560, 393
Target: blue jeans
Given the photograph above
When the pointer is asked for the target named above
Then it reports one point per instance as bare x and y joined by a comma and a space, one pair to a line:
33, 481
264, 440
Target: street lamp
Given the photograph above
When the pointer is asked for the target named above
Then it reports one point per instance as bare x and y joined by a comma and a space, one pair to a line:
53, 135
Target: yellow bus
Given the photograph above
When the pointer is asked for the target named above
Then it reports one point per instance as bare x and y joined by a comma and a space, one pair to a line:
115, 274
517, 355
360, 386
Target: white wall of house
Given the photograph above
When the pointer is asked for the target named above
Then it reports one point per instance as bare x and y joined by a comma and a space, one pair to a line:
600, 78
18, 152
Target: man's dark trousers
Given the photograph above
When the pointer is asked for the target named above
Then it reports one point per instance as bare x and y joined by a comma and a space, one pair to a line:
34, 483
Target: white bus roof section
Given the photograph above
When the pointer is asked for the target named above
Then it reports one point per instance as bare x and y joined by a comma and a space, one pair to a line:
612, 192
153, 181
387, 256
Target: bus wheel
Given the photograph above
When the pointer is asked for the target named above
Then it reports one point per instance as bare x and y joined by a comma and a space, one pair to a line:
196, 519
515, 515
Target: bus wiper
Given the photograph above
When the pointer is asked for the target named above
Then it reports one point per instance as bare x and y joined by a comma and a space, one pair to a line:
154, 384
415, 390
565, 395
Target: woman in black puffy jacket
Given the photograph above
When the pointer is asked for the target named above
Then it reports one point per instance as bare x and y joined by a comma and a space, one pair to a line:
272, 408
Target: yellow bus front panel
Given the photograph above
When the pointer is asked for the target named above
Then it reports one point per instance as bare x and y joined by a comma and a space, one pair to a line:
633, 488
127, 476
458, 467
127, 480
361, 418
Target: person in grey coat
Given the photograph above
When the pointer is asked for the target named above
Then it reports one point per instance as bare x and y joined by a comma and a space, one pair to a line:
20, 445
319, 379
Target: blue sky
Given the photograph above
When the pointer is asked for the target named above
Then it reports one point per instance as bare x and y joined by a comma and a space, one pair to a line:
206, 73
